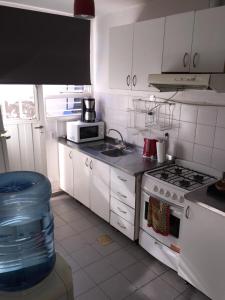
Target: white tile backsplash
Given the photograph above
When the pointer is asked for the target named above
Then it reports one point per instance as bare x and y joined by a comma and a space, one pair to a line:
185, 150
207, 115
189, 113
194, 136
221, 117
205, 135
220, 138
202, 154
187, 131
218, 160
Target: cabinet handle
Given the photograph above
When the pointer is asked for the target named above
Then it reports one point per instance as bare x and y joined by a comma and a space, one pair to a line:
6, 137
86, 162
122, 226
91, 165
122, 179
187, 213
186, 55
70, 155
128, 80
39, 127
121, 195
134, 80
122, 211
194, 60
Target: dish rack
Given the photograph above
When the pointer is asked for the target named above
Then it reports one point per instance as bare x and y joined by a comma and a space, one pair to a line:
157, 114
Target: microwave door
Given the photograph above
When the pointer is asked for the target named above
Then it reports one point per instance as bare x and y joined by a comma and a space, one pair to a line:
89, 132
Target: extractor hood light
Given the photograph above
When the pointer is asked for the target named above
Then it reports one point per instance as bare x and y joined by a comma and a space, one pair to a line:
84, 9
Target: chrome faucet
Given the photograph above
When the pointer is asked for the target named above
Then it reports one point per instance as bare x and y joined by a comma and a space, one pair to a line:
122, 143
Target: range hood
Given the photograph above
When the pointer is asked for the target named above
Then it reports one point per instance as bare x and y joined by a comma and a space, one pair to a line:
176, 82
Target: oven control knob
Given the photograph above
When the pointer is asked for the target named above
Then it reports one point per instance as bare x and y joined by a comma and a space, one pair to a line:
161, 191
181, 199
174, 197
168, 194
156, 189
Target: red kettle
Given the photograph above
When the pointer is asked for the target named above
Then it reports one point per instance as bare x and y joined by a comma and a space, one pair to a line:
150, 149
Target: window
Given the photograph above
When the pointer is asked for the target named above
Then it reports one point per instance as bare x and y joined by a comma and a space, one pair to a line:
64, 100
18, 102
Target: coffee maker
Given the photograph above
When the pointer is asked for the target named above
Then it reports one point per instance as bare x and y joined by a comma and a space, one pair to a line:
88, 110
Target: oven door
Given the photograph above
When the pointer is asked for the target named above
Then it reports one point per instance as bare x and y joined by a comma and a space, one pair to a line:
172, 240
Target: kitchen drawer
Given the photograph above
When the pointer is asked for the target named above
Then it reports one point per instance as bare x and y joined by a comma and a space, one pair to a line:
123, 210
158, 250
123, 187
123, 180
122, 225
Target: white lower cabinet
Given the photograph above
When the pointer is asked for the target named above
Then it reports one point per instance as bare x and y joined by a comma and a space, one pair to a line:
86, 179
65, 169
91, 179
123, 203
99, 188
123, 210
202, 250
82, 178
94, 183
122, 225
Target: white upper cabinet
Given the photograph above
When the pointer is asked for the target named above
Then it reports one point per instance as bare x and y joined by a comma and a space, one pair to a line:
147, 51
178, 42
208, 50
120, 57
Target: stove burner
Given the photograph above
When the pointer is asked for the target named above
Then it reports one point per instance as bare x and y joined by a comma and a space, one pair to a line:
164, 175
184, 183
178, 171
198, 178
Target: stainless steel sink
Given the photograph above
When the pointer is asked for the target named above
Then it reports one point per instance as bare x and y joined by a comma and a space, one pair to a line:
102, 147
116, 152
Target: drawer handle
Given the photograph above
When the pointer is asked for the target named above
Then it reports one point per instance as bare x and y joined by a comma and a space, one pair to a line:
121, 195
122, 226
70, 155
122, 211
91, 165
122, 179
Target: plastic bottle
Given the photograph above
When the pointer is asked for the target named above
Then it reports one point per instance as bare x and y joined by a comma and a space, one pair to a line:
27, 253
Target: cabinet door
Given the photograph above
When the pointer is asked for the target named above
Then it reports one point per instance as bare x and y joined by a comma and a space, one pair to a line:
120, 57
65, 169
83, 179
178, 42
75, 173
202, 250
99, 191
208, 50
147, 51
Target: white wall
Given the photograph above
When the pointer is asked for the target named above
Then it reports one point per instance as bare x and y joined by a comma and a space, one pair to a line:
199, 132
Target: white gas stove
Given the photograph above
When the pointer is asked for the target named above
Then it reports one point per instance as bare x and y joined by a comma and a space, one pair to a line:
169, 184
172, 182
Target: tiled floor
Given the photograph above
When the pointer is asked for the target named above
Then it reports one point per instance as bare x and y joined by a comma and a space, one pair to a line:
121, 270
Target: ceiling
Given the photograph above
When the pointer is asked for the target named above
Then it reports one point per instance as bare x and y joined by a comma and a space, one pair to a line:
66, 6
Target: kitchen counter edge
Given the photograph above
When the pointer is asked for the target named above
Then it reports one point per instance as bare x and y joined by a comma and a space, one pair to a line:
133, 161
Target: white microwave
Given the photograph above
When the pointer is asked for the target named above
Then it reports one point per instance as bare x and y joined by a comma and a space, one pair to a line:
80, 132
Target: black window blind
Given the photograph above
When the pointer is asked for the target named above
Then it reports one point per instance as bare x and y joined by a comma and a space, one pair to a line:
42, 48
